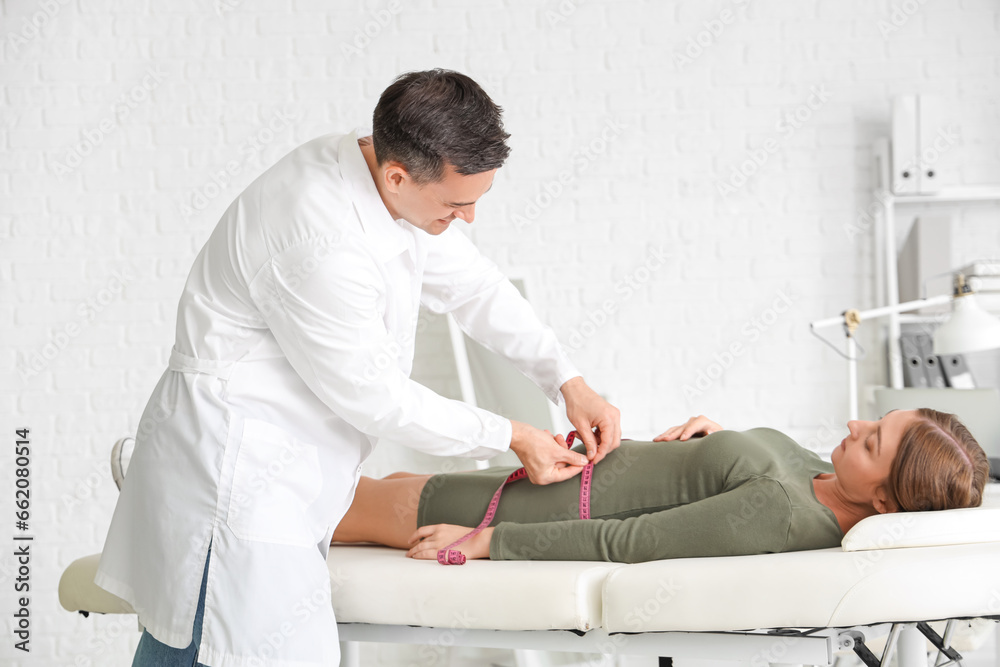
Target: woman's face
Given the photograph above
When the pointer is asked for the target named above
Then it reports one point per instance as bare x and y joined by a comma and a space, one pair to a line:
863, 459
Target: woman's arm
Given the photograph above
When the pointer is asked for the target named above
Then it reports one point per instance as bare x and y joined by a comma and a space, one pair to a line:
750, 519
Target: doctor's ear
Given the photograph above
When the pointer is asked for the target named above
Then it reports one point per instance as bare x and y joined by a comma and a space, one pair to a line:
395, 175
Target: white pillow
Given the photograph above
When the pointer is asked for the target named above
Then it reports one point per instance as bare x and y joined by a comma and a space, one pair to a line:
925, 529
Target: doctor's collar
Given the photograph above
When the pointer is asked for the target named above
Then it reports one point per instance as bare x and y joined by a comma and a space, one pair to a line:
392, 236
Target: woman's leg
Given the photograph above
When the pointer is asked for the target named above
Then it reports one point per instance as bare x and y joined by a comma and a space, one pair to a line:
384, 510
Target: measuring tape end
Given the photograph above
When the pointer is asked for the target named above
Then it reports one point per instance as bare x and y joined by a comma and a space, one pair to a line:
451, 557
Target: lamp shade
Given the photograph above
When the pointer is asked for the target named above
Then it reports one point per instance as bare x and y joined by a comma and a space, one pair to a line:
969, 329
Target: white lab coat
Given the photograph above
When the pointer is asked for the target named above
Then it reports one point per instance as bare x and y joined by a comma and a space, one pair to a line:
292, 358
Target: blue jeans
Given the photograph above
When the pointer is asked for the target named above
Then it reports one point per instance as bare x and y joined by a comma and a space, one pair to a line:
152, 653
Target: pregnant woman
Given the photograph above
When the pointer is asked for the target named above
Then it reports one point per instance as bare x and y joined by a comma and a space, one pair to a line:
726, 494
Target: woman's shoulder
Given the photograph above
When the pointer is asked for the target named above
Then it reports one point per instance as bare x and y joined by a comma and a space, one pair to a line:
764, 439
760, 441
761, 452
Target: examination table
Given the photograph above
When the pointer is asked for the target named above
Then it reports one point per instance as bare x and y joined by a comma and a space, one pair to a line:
893, 575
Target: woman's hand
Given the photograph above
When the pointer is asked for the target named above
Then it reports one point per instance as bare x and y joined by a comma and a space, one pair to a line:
700, 425
428, 540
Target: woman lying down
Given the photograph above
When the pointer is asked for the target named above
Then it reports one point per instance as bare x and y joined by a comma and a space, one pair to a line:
726, 494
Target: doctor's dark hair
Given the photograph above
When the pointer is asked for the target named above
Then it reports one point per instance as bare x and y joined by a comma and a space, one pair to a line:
939, 465
425, 120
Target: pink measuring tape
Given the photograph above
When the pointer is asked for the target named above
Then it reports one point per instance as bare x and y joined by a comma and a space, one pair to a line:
452, 556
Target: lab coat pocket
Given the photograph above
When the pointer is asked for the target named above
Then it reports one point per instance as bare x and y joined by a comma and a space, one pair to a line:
276, 483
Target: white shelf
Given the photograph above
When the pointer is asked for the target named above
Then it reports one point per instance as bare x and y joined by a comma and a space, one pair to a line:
953, 195
886, 241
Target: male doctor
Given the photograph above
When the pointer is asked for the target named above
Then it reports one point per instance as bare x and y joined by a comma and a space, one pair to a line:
292, 358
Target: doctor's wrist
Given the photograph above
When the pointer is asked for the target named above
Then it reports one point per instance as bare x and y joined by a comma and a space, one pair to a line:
517, 433
571, 386
522, 441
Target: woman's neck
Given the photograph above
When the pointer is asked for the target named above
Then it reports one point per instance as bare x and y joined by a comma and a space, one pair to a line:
848, 512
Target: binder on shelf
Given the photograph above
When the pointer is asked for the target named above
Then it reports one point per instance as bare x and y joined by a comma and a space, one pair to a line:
956, 372
913, 361
905, 131
921, 367
913, 372
925, 137
937, 144
935, 378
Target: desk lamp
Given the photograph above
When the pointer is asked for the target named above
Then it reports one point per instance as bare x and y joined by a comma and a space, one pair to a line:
969, 329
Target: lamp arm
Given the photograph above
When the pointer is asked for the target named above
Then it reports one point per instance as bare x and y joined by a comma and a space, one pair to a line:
850, 320
876, 313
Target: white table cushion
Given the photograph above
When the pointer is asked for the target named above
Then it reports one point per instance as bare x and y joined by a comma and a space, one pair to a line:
373, 584
821, 588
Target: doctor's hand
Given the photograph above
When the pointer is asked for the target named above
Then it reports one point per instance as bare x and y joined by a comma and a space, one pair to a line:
546, 459
587, 410
700, 425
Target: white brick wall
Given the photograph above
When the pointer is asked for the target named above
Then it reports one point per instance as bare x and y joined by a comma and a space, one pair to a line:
563, 70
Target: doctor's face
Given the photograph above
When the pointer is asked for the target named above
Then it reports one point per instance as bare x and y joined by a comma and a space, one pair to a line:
434, 206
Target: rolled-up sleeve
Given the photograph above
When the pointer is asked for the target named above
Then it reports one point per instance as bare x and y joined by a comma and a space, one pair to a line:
459, 280
323, 302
